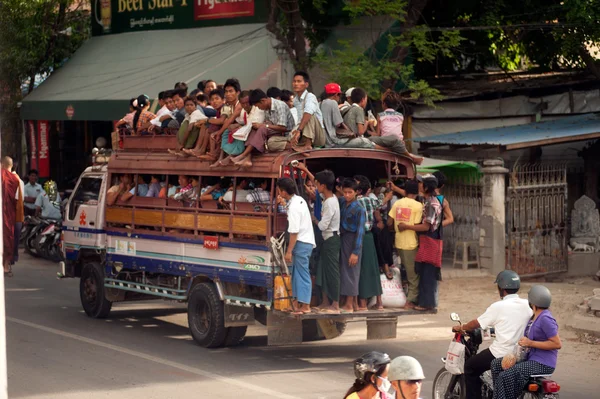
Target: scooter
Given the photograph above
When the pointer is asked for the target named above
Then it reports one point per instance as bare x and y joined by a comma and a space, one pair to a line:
453, 386
35, 226
49, 242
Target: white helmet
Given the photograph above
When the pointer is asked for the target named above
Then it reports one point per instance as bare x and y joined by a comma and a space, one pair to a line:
405, 368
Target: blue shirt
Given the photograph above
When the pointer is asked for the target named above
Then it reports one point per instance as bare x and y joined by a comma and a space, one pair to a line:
154, 190
307, 103
352, 220
318, 207
142, 190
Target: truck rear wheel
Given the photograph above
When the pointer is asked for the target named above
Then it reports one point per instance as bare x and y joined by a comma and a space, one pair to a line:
92, 293
205, 316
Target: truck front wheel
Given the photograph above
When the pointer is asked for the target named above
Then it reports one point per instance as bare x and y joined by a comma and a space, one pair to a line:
205, 316
91, 291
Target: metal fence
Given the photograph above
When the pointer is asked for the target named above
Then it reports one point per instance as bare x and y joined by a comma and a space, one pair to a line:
536, 219
464, 195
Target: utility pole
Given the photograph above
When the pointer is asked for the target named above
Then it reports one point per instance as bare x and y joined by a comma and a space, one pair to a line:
3, 370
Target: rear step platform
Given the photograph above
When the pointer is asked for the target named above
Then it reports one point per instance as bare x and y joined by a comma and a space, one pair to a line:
284, 328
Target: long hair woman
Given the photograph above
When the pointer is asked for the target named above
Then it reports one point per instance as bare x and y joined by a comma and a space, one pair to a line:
371, 370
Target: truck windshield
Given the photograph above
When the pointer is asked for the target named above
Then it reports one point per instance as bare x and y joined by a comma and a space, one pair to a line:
87, 193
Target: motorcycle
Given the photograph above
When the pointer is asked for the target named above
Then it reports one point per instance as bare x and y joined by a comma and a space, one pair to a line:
49, 244
34, 226
453, 386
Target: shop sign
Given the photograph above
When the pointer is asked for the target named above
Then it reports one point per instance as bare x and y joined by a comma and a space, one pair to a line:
44, 153
119, 16
33, 157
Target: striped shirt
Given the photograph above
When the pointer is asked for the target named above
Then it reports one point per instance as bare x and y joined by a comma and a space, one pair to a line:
370, 205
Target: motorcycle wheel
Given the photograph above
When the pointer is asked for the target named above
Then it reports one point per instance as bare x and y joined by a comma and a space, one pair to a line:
441, 383
30, 246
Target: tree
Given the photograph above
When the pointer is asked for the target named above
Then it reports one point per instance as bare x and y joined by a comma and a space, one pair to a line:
36, 36
378, 70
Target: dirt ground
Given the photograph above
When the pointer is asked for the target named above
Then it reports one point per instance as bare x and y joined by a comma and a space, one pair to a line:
470, 297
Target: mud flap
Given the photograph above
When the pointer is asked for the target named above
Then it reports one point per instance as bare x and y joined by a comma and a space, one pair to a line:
238, 316
328, 328
283, 330
382, 328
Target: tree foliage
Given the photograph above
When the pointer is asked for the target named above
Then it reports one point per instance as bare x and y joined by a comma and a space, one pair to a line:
37, 36
377, 70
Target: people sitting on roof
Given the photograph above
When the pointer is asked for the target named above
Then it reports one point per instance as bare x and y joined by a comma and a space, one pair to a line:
287, 97
142, 117
278, 121
213, 125
230, 111
164, 114
127, 121
189, 131
389, 124
309, 133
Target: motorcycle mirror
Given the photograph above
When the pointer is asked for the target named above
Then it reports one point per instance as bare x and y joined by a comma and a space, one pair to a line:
454, 317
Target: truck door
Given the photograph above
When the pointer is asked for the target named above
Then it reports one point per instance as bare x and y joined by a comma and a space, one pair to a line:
82, 229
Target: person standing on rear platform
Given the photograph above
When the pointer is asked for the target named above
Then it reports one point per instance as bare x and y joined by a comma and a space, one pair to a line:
328, 269
300, 246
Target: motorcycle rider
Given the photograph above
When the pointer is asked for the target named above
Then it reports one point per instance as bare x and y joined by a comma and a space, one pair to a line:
509, 317
406, 376
542, 340
371, 371
48, 203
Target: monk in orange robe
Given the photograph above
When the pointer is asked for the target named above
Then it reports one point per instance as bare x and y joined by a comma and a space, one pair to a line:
10, 185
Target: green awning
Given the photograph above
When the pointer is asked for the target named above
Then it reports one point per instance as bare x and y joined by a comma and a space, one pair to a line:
98, 81
450, 168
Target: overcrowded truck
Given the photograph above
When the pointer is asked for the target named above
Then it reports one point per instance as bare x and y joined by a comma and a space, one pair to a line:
224, 259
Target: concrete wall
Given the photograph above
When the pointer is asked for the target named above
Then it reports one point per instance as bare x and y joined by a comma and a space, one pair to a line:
583, 264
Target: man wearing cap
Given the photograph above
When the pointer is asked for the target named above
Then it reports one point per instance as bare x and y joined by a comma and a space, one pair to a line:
348, 103
509, 317
332, 120
406, 376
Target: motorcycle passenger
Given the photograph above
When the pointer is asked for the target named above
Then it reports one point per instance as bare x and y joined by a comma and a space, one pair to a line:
509, 317
542, 342
406, 376
371, 371
48, 203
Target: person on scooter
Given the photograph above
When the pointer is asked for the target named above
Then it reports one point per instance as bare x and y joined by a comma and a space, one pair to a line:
542, 342
509, 317
48, 203
371, 371
406, 376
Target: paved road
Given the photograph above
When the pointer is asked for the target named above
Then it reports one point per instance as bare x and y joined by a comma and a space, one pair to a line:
144, 351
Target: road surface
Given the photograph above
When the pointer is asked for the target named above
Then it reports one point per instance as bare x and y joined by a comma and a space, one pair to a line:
143, 350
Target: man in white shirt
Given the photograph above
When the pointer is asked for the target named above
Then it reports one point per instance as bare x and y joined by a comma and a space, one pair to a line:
166, 112
509, 317
48, 209
300, 246
31, 191
241, 192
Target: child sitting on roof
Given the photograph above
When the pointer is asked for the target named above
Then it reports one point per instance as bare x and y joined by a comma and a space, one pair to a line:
188, 133
389, 125
212, 125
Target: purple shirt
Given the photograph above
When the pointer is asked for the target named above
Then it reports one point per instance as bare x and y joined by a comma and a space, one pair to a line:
542, 329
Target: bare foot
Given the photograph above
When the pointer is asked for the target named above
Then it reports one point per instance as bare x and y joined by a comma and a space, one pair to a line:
246, 164
417, 160
216, 164
225, 161
302, 148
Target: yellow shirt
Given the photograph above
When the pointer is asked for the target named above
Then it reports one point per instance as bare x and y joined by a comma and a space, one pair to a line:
409, 211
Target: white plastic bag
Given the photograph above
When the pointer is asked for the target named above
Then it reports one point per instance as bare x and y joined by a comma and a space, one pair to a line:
455, 358
243, 132
393, 295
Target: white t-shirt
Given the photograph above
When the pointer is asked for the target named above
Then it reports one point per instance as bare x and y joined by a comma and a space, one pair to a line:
300, 221
509, 317
240, 196
330, 217
161, 112
195, 116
